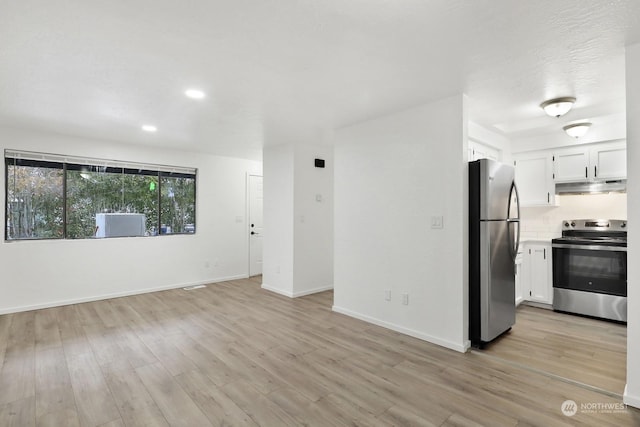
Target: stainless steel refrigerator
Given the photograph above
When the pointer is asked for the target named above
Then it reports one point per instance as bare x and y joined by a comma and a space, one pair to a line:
494, 237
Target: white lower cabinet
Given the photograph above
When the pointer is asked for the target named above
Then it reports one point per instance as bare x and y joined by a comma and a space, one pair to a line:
519, 290
535, 280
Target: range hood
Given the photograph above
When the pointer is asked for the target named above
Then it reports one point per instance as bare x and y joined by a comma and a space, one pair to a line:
617, 186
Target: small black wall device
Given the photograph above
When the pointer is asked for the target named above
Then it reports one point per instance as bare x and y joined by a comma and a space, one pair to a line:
319, 163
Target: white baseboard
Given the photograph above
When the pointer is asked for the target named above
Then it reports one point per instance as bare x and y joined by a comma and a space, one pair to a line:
276, 290
296, 294
460, 347
116, 295
631, 400
312, 291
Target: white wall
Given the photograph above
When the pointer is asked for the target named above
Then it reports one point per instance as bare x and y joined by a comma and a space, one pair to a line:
44, 273
298, 229
632, 391
277, 260
313, 229
392, 174
545, 222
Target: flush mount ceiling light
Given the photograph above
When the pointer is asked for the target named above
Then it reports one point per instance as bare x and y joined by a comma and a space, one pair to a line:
577, 130
194, 93
149, 128
558, 107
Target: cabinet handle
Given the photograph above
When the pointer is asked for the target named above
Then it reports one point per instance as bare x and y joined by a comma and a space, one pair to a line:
586, 172
595, 171
544, 253
548, 198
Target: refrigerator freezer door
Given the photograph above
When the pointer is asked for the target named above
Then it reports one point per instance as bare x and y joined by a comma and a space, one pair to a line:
496, 180
497, 286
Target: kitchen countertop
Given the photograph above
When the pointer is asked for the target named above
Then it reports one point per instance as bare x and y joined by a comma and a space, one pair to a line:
536, 241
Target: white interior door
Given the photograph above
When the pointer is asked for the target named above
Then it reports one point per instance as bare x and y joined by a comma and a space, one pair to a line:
255, 225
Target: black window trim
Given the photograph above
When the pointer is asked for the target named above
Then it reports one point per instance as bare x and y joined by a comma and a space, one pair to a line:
95, 165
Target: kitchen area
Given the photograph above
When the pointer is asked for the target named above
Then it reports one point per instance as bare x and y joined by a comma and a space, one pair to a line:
571, 264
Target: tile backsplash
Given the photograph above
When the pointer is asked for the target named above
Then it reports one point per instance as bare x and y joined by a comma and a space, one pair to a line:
545, 223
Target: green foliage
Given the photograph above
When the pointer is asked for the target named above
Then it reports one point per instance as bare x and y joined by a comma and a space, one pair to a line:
34, 203
177, 201
89, 193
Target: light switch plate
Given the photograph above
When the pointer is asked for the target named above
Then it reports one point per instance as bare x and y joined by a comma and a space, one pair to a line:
437, 221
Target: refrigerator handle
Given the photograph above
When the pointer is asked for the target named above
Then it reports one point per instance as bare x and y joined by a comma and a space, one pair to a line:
514, 189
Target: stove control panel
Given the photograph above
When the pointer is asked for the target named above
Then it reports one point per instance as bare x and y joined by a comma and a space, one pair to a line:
594, 224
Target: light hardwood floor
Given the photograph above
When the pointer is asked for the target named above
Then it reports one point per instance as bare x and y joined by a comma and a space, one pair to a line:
234, 354
586, 350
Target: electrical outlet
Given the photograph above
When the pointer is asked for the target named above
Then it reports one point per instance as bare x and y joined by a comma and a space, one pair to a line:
387, 295
405, 299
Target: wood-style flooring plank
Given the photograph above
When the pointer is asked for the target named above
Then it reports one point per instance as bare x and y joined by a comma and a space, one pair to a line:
215, 404
19, 413
174, 403
17, 378
95, 403
135, 404
65, 417
54, 393
262, 410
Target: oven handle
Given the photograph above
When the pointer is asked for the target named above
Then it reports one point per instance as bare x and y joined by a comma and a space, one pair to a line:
591, 247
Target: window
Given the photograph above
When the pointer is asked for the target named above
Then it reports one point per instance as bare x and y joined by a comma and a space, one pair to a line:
178, 214
55, 197
34, 200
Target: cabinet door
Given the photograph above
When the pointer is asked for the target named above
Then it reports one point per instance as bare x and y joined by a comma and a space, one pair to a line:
609, 163
571, 166
534, 180
519, 281
479, 151
539, 262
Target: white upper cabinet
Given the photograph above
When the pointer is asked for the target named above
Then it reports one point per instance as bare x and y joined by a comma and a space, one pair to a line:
477, 151
609, 162
534, 178
605, 161
571, 165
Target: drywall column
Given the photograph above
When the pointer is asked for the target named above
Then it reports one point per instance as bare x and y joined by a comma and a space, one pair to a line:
277, 249
313, 220
632, 391
396, 179
298, 219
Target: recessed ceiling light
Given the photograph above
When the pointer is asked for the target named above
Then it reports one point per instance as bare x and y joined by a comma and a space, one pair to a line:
149, 128
577, 130
559, 106
194, 93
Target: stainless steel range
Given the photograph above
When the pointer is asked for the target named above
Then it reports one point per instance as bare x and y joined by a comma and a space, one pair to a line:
590, 268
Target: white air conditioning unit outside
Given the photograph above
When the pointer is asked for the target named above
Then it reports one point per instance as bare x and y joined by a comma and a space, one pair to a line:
120, 224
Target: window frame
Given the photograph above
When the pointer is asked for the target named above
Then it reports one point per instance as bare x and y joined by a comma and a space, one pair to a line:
69, 163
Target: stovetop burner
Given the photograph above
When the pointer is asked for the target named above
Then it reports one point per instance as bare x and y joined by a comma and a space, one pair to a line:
600, 232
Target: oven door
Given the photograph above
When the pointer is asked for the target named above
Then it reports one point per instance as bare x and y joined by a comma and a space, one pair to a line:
590, 268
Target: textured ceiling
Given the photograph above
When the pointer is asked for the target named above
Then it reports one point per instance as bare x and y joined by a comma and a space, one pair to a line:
279, 71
